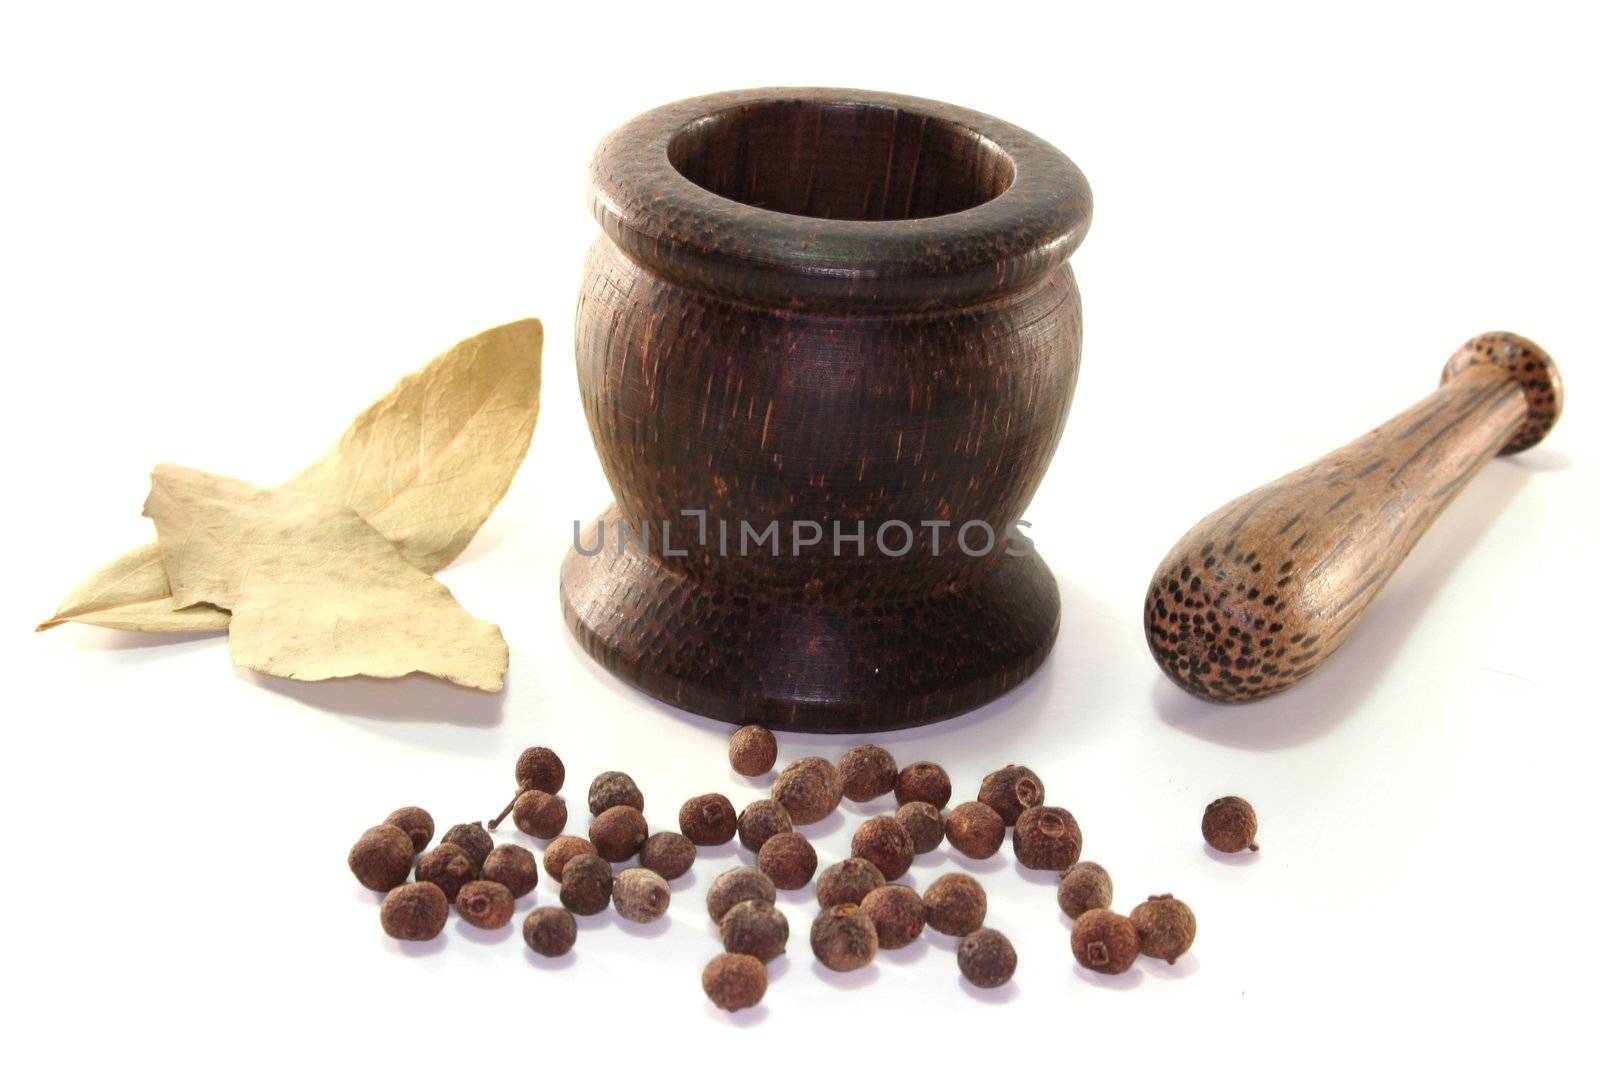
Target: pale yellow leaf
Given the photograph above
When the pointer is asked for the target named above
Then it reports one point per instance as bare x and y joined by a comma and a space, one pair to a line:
315, 591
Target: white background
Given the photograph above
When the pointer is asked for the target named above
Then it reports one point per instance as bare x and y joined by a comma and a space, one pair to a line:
224, 233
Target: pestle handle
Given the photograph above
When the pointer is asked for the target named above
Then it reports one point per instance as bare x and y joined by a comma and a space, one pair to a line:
1262, 591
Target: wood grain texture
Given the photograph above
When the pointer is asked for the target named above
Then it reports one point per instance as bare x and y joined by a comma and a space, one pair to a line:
1261, 592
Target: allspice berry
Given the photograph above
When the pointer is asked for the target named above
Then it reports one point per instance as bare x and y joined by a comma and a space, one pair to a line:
485, 904
1047, 839
449, 867
885, 844
755, 928
897, 913
550, 931
613, 789
738, 885
1085, 887
986, 958
923, 781
1229, 825
640, 895
1104, 941
733, 981
416, 822
708, 819
809, 789
539, 814
843, 938
956, 904
618, 832
472, 837
925, 824
586, 884
668, 854
414, 912
558, 852
381, 857
788, 859
1166, 927
867, 772
759, 820
1011, 790
541, 769
975, 829
752, 750
847, 882
513, 867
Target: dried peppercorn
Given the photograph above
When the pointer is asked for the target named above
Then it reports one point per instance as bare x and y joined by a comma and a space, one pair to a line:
1166, 927
414, 912
843, 938
739, 884
752, 750
381, 857
897, 913
1047, 839
1011, 790
925, 824
923, 781
1085, 887
668, 854
975, 829
539, 814
847, 882
618, 832
809, 789
586, 884
485, 904
956, 904
541, 769
640, 895
708, 819
759, 820
513, 867
788, 859
755, 928
1104, 941
614, 789
550, 931
558, 852
1229, 825
734, 981
449, 867
472, 837
986, 958
884, 843
416, 822
867, 772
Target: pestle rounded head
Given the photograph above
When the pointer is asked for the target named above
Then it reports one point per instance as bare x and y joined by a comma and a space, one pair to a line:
1533, 369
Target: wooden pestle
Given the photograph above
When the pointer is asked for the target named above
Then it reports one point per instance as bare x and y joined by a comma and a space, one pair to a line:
1262, 591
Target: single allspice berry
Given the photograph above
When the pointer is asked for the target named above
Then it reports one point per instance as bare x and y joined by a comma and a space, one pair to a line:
738, 885
513, 867
416, 822
867, 772
562, 849
975, 829
614, 789
986, 958
414, 912
925, 824
449, 867
752, 750
734, 981
843, 938
472, 837
1085, 887
956, 904
485, 904
381, 857
640, 895
847, 882
541, 769
885, 844
1229, 825
759, 820
1047, 839
1011, 790
809, 789
708, 819
923, 781
755, 928
1104, 941
618, 832
539, 814
897, 913
550, 931
788, 859
668, 854
1166, 927
586, 884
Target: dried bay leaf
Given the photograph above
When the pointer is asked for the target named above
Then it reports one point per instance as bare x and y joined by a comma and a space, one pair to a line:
314, 590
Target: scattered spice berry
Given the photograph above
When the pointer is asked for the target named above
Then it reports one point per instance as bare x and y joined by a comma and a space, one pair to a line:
843, 938
381, 857
449, 867
485, 904
708, 819
541, 769
760, 820
1104, 941
614, 789
1085, 887
472, 837
416, 822
1229, 825
755, 928
975, 829
867, 772
1047, 839
752, 750
986, 958
640, 895
956, 904
897, 913
586, 884
923, 781
1166, 927
618, 832
809, 789
558, 852
539, 814
733, 981
847, 882
668, 854
788, 859
1011, 790
513, 867
739, 884
925, 824
550, 931
415, 912
885, 844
